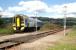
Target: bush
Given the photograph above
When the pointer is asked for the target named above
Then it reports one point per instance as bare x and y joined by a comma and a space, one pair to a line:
74, 27
50, 26
6, 30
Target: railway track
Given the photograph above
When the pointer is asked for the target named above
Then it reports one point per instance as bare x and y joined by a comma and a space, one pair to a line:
24, 39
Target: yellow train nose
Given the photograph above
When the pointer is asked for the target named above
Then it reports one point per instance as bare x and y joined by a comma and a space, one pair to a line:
21, 28
18, 24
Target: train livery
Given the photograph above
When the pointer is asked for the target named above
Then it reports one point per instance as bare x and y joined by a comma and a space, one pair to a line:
22, 23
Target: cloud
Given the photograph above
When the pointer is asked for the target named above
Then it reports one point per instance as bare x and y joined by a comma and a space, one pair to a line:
71, 7
15, 9
7, 14
31, 6
1, 9
56, 11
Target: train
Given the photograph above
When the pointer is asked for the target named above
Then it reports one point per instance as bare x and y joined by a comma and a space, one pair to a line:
24, 23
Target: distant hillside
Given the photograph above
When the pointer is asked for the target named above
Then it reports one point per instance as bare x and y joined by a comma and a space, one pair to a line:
70, 21
7, 20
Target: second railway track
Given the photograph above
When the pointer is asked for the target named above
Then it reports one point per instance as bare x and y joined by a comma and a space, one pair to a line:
24, 39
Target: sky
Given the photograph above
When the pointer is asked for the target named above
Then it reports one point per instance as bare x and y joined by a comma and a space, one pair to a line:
44, 8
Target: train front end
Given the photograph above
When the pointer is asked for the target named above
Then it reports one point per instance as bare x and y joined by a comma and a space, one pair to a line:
18, 23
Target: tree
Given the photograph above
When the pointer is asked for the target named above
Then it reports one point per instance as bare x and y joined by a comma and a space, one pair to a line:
1, 21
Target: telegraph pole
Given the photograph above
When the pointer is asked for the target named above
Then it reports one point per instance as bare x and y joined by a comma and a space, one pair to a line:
36, 20
65, 16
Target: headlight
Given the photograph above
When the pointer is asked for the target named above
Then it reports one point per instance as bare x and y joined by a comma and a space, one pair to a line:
22, 28
14, 28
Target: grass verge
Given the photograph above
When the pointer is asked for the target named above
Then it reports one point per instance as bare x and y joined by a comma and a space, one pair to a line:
67, 43
6, 30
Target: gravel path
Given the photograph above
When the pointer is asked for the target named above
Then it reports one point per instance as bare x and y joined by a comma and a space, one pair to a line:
3, 38
41, 44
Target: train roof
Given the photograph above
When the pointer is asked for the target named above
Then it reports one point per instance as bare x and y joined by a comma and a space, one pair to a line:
34, 19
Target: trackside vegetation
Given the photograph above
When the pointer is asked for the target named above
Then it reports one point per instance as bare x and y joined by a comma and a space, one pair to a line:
50, 26
6, 30
5, 26
67, 43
